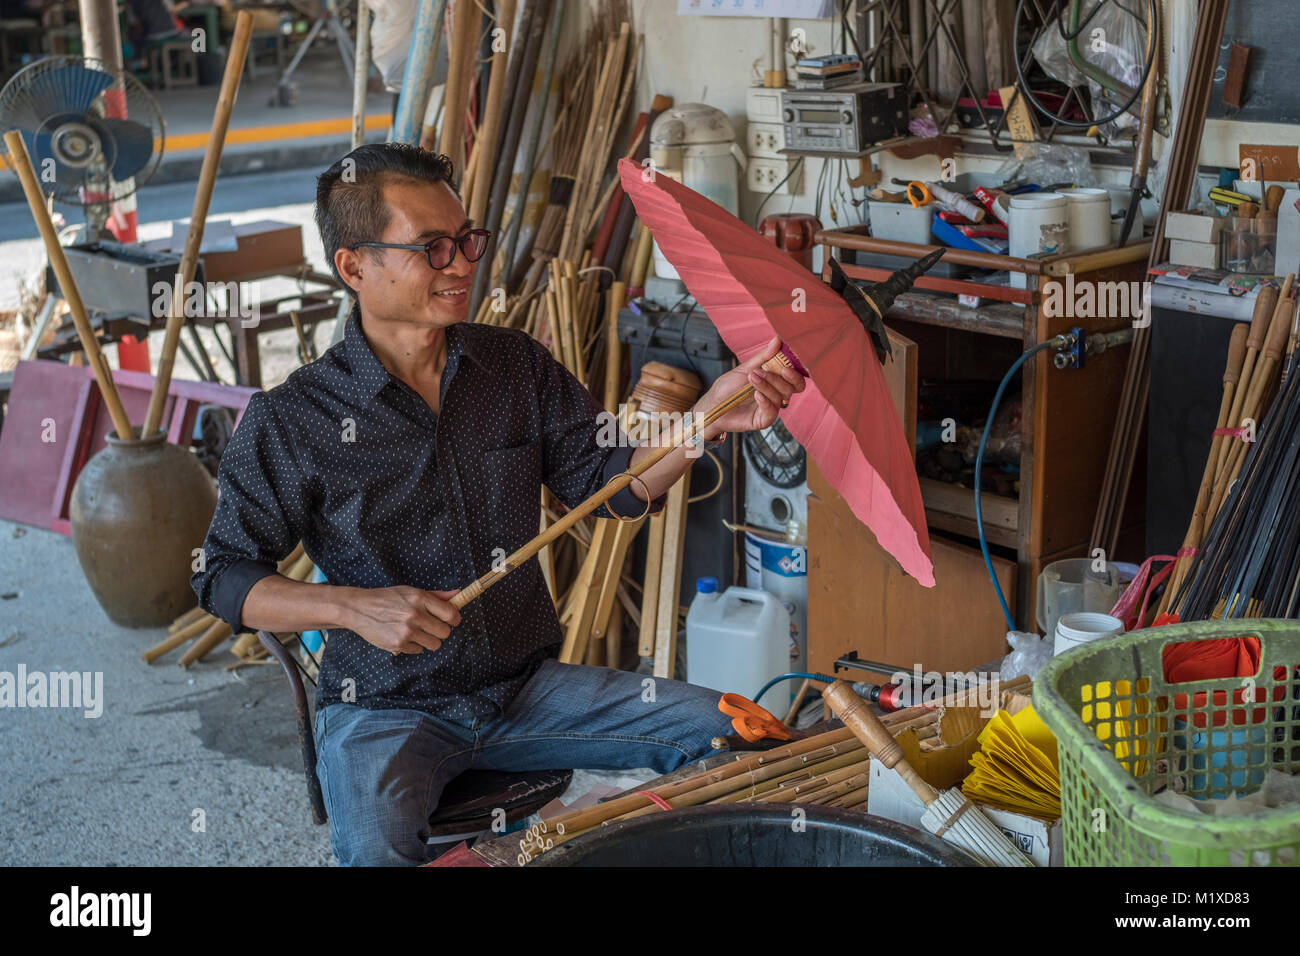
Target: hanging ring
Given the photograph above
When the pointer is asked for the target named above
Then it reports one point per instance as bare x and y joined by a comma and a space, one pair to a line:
645, 488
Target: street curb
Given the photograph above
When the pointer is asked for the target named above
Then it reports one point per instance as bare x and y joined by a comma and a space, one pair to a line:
238, 161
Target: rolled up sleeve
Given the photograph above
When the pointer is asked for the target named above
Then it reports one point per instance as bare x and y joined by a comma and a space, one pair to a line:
261, 513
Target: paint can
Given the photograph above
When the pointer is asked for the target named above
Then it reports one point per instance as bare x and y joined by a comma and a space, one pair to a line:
1039, 223
1084, 627
1089, 214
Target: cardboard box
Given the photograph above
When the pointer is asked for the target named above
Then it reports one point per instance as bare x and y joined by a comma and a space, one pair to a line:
1193, 226
1203, 255
1043, 841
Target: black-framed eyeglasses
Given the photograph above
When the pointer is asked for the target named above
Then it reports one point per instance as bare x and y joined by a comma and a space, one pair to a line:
441, 251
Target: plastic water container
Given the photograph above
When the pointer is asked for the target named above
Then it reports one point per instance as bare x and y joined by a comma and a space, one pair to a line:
736, 641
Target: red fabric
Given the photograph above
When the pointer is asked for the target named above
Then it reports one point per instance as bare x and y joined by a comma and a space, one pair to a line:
845, 419
1223, 657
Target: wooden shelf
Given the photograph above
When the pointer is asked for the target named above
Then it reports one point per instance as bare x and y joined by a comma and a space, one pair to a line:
996, 318
951, 508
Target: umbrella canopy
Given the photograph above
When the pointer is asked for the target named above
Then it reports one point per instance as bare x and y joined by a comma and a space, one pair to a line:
845, 419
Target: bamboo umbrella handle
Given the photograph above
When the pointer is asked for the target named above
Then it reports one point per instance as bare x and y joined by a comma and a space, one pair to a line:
198, 216
22, 164
866, 726
613, 487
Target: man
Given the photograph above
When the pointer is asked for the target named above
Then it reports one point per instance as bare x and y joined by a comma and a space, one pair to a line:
408, 459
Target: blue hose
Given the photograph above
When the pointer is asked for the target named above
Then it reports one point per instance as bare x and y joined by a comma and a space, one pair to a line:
824, 678
979, 468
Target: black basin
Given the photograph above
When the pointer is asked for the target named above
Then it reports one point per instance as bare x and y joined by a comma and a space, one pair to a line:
756, 834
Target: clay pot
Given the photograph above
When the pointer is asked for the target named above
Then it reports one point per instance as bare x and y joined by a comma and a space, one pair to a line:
139, 509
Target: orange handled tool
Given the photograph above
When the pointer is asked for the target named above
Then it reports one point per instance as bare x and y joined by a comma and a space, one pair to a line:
751, 721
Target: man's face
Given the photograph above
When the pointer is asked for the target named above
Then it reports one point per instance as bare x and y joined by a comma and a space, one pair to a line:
399, 285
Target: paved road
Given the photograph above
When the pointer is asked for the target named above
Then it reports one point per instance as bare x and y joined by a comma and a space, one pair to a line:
286, 196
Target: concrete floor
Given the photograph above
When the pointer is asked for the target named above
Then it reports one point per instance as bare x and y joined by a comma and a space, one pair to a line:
123, 789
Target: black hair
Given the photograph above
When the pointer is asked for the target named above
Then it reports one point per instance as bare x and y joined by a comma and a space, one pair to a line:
350, 205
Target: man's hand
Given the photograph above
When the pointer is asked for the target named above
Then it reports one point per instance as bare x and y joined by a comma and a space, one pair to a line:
772, 392
402, 620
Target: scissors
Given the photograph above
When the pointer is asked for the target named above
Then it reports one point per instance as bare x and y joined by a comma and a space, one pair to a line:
751, 721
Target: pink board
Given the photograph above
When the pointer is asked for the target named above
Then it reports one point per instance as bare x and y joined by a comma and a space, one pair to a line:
51, 400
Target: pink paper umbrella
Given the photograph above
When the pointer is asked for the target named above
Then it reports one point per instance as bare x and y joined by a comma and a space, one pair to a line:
845, 419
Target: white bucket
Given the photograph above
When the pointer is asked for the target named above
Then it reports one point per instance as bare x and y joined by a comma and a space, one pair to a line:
1039, 222
1084, 627
1089, 212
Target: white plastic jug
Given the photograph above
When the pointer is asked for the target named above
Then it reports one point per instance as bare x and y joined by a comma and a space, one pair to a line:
736, 641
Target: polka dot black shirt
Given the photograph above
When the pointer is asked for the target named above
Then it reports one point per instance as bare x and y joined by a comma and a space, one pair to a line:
381, 491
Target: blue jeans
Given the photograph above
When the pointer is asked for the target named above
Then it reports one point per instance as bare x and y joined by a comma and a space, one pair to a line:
382, 771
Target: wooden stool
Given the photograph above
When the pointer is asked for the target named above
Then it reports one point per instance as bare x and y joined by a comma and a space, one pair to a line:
184, 71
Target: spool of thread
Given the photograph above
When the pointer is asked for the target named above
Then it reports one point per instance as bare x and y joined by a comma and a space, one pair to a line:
1089, 213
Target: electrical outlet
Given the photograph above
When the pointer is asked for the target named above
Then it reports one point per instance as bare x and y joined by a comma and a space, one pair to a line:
765, 139
763, 174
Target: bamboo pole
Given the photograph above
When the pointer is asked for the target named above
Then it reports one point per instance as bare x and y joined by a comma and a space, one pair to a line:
189, 617
505, 19
592, 816
361, 75
797, 703
1261, 380
198, 218
187, 633
1265, 305
840, 752
209, 639
459, 72
670, 579
22, 165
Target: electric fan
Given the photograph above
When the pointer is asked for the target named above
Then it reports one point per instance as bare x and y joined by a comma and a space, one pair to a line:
94, 136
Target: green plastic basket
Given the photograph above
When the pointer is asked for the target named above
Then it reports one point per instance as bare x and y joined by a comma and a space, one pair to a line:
1123, 733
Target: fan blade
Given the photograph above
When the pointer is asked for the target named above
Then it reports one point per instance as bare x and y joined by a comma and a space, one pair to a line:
133, 142
69, 88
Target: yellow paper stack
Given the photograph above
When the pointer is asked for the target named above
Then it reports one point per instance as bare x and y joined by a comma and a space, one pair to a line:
1016, 766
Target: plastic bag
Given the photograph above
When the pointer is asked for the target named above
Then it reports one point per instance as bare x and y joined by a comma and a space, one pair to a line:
1048, 163
1114, 41
390, 38
1029, 652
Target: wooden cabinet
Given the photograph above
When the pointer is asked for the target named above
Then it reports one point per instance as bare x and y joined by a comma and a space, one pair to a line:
858, 598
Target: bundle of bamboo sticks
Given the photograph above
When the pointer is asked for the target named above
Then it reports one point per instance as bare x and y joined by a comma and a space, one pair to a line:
829, 769
1251, 376
205, 633
1249, 562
